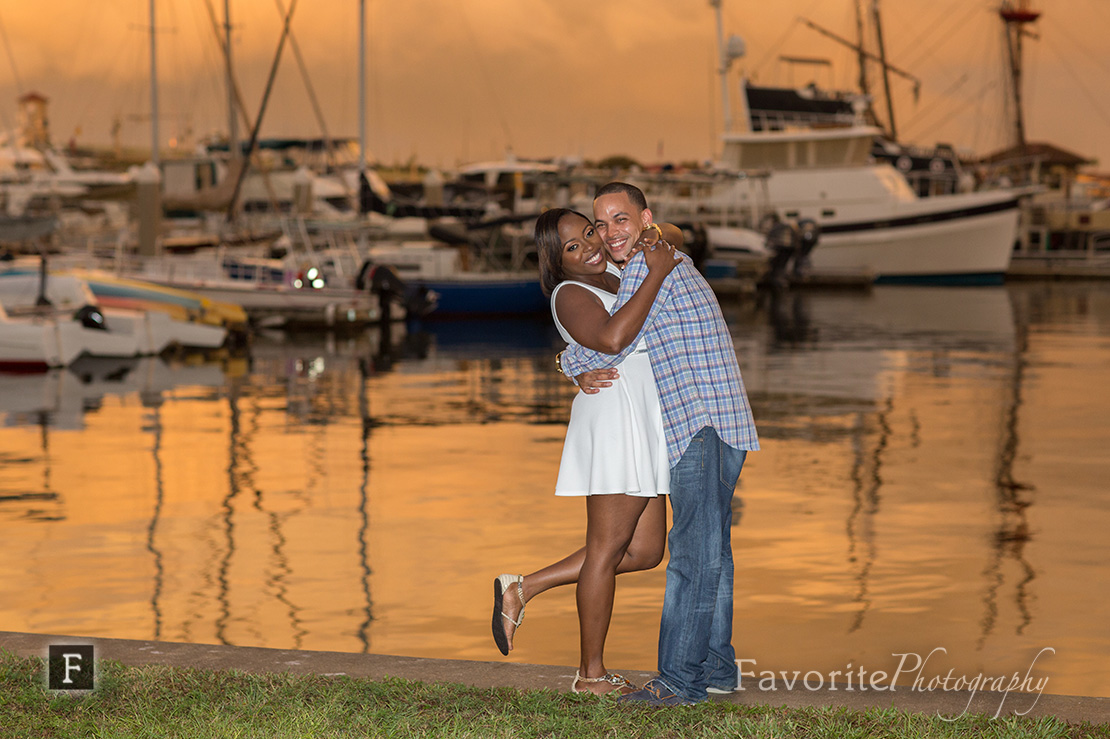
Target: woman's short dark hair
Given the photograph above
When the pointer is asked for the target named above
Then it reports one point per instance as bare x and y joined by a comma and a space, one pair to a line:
549, 246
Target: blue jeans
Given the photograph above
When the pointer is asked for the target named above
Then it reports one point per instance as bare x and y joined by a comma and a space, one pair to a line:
695, 631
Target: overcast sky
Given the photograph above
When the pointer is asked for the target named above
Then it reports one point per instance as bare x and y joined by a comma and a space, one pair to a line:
452, 81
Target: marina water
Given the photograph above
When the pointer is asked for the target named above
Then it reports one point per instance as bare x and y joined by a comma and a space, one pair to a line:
933, 475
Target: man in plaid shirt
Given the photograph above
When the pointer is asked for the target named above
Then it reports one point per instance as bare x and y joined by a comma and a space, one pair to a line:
709, 430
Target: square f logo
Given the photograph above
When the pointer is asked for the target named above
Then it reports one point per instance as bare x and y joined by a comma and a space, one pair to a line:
70, 667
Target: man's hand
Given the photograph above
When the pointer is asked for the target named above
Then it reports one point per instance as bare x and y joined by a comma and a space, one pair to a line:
592, 381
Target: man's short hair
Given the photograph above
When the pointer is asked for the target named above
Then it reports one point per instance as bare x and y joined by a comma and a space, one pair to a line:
635, 194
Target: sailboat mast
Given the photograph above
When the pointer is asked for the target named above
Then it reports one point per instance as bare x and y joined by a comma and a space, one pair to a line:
1015, 19
232, 123
153, 88
886, 71
361, 90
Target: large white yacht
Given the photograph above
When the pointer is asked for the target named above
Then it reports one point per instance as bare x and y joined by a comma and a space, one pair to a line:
870, 219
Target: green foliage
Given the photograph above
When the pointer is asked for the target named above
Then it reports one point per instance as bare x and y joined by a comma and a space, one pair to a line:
618, 162
158, 701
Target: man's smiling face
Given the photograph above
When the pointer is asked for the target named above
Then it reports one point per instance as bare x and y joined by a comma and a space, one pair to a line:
619, 222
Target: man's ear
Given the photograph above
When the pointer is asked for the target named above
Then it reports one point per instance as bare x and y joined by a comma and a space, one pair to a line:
647, 217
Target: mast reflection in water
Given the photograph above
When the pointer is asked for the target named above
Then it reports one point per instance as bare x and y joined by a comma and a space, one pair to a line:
931, 476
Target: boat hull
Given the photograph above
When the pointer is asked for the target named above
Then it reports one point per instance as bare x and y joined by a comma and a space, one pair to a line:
486, 295
870, 219
34, 345
277, 305
967, 244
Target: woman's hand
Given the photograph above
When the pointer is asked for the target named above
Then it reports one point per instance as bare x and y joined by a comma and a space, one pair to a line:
662, 258
650, 237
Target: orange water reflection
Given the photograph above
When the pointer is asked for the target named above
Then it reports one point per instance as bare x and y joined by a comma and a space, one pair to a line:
930, 477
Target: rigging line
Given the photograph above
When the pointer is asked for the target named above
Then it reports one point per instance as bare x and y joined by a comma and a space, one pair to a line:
1090, 55
776, 46
956, 109
11, 58
916, 119
1100, 7
989, 120
239, 104
211, 82
491, 88
850, 69
1031, 70
989, 123
947, 35
930, 28
1079, 81
176, 116
95, 95
261, 112
329, 154
992, 121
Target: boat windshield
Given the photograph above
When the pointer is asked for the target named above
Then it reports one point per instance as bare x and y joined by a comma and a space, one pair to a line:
895, 183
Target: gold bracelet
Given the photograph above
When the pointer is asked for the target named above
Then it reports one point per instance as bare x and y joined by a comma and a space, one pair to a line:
658, 230
559, 362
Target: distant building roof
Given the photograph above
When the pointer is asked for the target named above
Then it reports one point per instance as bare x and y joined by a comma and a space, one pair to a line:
1040, 151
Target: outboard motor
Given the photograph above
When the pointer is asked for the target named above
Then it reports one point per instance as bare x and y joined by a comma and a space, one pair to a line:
695, 243
383, 281
767, 222
781, 242
808, 234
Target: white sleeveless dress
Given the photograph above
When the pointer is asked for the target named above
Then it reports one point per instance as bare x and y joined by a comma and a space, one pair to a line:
615, 441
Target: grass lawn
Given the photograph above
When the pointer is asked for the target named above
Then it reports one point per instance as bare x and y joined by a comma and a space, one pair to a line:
157, 701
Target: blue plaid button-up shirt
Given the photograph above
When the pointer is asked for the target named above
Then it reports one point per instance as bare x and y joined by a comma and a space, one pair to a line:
692, 355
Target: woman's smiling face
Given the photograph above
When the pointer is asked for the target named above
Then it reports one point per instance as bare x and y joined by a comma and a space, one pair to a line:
583, 251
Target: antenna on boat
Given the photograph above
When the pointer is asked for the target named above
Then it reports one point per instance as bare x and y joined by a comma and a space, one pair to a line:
726, 53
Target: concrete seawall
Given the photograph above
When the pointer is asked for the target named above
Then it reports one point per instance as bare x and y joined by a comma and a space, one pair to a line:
949, 703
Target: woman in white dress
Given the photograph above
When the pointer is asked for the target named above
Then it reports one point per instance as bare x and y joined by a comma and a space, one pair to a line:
614, 453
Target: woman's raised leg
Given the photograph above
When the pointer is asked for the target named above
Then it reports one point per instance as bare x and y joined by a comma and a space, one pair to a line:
644, 552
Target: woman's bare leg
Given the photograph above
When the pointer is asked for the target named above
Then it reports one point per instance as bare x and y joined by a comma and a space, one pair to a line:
644, 552
610, 526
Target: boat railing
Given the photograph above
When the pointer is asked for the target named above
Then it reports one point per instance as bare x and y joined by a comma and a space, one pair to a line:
720, 197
